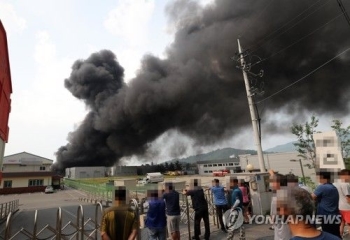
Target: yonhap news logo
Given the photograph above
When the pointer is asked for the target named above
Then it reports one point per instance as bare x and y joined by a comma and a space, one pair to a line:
277, 219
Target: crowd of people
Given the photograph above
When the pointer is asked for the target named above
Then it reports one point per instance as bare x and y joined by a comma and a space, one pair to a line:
303, 214
164, 210
293, 208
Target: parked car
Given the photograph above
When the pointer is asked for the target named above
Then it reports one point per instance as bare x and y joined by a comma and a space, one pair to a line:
49, 189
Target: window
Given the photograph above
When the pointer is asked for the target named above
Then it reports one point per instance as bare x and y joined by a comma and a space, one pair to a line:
35, 182
230, 164
205, 171
209, 165
8, 184
236, 164
205, 165
215, 165
210, 171
220, 165
42, 168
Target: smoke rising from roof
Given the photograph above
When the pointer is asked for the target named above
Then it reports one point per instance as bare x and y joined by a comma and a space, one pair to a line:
197, 90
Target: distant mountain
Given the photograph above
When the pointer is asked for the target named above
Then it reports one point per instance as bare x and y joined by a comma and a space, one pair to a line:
288, 147
215, 155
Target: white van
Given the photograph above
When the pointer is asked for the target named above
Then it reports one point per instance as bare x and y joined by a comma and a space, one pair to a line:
154, 177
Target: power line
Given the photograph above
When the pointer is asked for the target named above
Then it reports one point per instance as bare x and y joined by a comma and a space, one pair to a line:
313, 71
297, 41
344, 11
280, 28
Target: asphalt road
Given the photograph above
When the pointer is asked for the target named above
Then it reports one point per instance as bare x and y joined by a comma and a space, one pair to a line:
47, 206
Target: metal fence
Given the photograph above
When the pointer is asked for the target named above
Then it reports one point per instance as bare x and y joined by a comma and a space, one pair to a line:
87, 229
8, 208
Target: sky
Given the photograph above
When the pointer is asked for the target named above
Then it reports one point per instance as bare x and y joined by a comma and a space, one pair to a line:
45, 38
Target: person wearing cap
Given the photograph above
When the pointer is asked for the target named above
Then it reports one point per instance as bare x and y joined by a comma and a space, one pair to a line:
119, 222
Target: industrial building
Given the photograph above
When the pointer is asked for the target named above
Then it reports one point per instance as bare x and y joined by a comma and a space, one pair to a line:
123, 171
5, 91
25, 172
86, 172
207, 167
284, 163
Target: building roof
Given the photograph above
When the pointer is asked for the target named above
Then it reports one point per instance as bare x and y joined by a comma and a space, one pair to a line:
226, 160
28, 159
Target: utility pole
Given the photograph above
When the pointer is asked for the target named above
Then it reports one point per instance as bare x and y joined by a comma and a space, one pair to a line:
252, 110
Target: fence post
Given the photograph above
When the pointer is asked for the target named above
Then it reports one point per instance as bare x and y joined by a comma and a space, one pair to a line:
8, 227
188, 218
35, 224
59, 224
98, 207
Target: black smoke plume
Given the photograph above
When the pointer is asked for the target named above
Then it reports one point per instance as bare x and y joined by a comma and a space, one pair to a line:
198, 91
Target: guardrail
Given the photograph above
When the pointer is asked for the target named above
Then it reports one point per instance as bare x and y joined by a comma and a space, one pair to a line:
8, 208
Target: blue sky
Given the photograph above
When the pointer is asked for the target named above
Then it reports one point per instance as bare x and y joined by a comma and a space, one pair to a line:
46, 37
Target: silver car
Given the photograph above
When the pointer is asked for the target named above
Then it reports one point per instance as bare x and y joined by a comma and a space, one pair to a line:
49, 189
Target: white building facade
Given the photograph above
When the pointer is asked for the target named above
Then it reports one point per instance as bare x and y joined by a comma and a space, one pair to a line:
25, 172
86, 172
284, 163
206, 168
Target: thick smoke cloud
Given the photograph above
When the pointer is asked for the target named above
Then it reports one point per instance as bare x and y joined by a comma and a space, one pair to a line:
197, 90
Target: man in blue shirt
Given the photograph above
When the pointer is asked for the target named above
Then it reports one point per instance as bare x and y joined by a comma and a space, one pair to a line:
156, 218
327, 197
172, 202
220, 201
237, 196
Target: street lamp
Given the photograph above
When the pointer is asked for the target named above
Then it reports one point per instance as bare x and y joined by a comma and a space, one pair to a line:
301, 167
250, 167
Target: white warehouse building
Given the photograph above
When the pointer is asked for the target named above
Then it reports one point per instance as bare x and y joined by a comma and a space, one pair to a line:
284, 163
86, 172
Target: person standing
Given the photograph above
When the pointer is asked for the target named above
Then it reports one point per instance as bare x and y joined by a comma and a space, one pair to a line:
220, 201
156, 218
119, 222
296, 205
237, 196
277, 183
246, 200
327, 197
172, 201
200, 207
343, 188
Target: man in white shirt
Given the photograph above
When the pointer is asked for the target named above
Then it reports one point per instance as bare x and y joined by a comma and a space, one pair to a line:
343, 188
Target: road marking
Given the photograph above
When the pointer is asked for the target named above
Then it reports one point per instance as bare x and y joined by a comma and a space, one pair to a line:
76, 217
